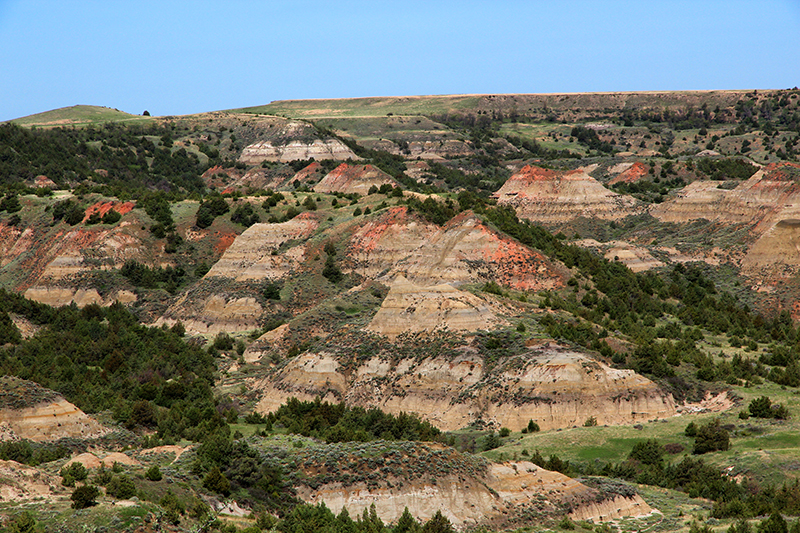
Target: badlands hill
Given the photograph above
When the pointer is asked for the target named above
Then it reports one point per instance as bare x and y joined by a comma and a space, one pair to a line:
524, 272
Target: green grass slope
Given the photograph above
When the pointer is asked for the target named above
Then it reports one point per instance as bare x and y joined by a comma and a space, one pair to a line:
78, 115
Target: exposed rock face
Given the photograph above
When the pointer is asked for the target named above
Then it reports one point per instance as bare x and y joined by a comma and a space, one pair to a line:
386, 239
217, 314
554, 196
90, 460
43, 254
317, 149
466, 250
354, 179
776, 254
101, 208
631, 172
51, 421
59, 296
410, 308
463, 251
251, 254
637, 258
551, 385
19, 483
769, 195
474, 500
28, 411
290, 140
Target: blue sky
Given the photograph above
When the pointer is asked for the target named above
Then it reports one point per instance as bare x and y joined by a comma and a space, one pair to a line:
178, 57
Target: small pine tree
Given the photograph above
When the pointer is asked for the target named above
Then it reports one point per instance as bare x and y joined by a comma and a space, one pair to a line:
84, 496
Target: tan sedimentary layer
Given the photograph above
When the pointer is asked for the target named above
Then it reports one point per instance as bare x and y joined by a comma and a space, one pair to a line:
217, 315
384, 240
473, 501
294, 150
637, 258
555, 196
465, 250
776, 254
60, 296
251, 254
769, 195
411, 308
50, 421
354, 179
90, 460
553, 386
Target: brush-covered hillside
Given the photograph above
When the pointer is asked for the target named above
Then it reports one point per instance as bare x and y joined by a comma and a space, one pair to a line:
403, 314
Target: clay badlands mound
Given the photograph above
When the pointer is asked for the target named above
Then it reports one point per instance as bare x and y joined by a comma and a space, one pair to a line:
354, 179
411, 308
465, 250
552, 385
770, 194
468, 490
554, 196
29, 411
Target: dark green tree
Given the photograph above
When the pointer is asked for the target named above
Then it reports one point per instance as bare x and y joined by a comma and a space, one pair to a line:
711, 437
84, 496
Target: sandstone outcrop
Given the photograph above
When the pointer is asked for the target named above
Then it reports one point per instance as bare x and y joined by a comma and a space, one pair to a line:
776, 253
554, 386
21, 483
354, 179
43, 253
637, 258
213, 314
491, 494
29, 411
628, 172
290, 140
769, 195
552, 196
253, 254
465, 250
385, 239
60, 296
294, 150
411, 308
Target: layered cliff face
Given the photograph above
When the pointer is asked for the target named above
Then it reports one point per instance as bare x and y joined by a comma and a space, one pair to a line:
386, 239
52, 253
465, 250
291, 140
552, 196
551, 385
213, 314
769, 195
29, 411
254, 253
467, 494
411, 308
81, 297
776, 253
354, 179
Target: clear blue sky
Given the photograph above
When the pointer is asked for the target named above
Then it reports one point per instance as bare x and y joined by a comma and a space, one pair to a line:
177, 57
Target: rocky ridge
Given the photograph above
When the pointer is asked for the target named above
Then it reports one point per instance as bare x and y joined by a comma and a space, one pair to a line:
554, 386
411, 308
354, 179
551, 196
492, 498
